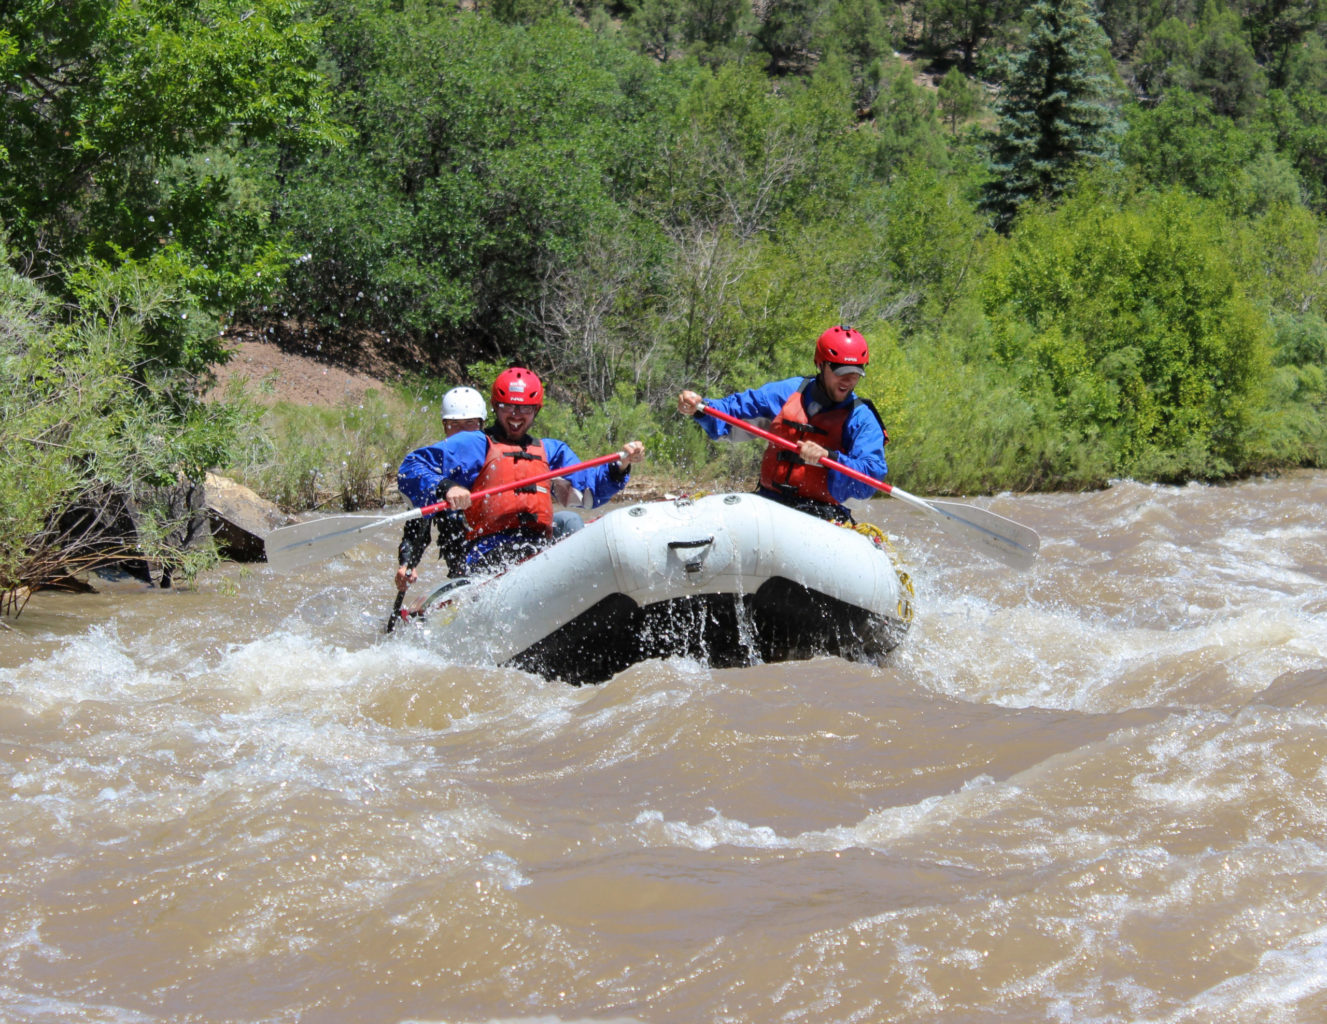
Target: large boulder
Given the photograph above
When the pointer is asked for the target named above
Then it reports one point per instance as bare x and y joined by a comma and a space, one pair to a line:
241, 520
101, 533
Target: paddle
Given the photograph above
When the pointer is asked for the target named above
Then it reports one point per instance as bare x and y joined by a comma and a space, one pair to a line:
1002, 538
289, 547
396, 611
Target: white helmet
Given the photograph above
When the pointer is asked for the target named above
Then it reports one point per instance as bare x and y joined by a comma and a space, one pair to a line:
463, 404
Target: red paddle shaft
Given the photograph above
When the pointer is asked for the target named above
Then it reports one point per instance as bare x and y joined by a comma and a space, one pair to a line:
429, 510
1012, 543
783, 442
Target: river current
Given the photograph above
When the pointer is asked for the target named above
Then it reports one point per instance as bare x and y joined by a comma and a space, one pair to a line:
1090, 792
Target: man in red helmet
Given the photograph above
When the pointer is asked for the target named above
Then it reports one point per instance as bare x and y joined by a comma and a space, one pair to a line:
823, 415
507, 527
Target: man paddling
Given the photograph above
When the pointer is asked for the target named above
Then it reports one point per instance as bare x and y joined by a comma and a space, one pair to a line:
462, 409
824, 417
510, 526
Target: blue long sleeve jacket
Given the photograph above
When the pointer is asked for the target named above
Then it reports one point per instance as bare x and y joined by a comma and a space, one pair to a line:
460, 458
863, 438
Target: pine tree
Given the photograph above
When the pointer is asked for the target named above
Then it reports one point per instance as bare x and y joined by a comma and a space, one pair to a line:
1055, 110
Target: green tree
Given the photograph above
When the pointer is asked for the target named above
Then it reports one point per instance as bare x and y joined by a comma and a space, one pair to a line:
1212, 58
907, 122
1055, 110
1296, 118
959, 98
1129, 22
934, 240
746, 153
1277, 28
858, 30
713, 29
1125, 23
1165, 59
471, 176
753, 172
967, 25
1224, 67
787, 31
655, 28
121, 125
1183, 141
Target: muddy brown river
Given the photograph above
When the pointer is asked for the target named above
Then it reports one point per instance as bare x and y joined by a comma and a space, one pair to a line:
1091, 792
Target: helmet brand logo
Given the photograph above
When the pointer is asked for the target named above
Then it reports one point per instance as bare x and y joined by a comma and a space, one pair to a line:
517, 385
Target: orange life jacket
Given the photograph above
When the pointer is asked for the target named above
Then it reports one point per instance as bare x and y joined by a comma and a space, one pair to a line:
781, 470
522, 508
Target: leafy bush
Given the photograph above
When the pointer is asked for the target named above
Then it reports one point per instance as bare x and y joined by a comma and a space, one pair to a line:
1131, 319
97, 429
116, 109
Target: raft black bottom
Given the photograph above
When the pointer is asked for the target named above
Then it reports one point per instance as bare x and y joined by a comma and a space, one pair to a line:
781, 621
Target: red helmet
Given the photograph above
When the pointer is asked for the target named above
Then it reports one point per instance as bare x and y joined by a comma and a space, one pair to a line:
518, 386
842, 345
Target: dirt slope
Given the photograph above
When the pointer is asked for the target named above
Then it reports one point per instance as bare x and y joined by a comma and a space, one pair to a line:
293, 367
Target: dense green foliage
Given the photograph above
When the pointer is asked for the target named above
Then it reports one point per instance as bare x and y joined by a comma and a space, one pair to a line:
1084, 241
122, 128
1054, 109
472, 175
128, 188
1126, 323
94, 433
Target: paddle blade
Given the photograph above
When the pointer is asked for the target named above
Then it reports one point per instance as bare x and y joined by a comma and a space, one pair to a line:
293, 546
1011, 543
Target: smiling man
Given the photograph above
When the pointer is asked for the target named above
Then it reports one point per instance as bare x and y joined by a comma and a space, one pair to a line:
509, 526
823, 415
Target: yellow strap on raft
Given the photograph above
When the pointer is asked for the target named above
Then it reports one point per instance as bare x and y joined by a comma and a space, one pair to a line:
878, 538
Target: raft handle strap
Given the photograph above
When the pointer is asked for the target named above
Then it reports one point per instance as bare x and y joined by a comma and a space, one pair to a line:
695, 565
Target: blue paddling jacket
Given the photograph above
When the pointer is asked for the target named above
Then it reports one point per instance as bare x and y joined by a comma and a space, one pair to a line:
433, 469
863, 435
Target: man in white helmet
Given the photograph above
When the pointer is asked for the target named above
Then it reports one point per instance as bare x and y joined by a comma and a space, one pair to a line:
462, 409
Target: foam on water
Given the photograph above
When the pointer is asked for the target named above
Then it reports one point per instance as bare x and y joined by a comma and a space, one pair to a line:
1271, 992
1232, 605
1092, 792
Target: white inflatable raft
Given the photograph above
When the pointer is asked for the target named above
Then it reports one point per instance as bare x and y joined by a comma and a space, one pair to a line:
730, 579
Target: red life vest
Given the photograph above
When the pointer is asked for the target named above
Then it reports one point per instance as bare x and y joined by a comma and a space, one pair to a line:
782, 470
523, 508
